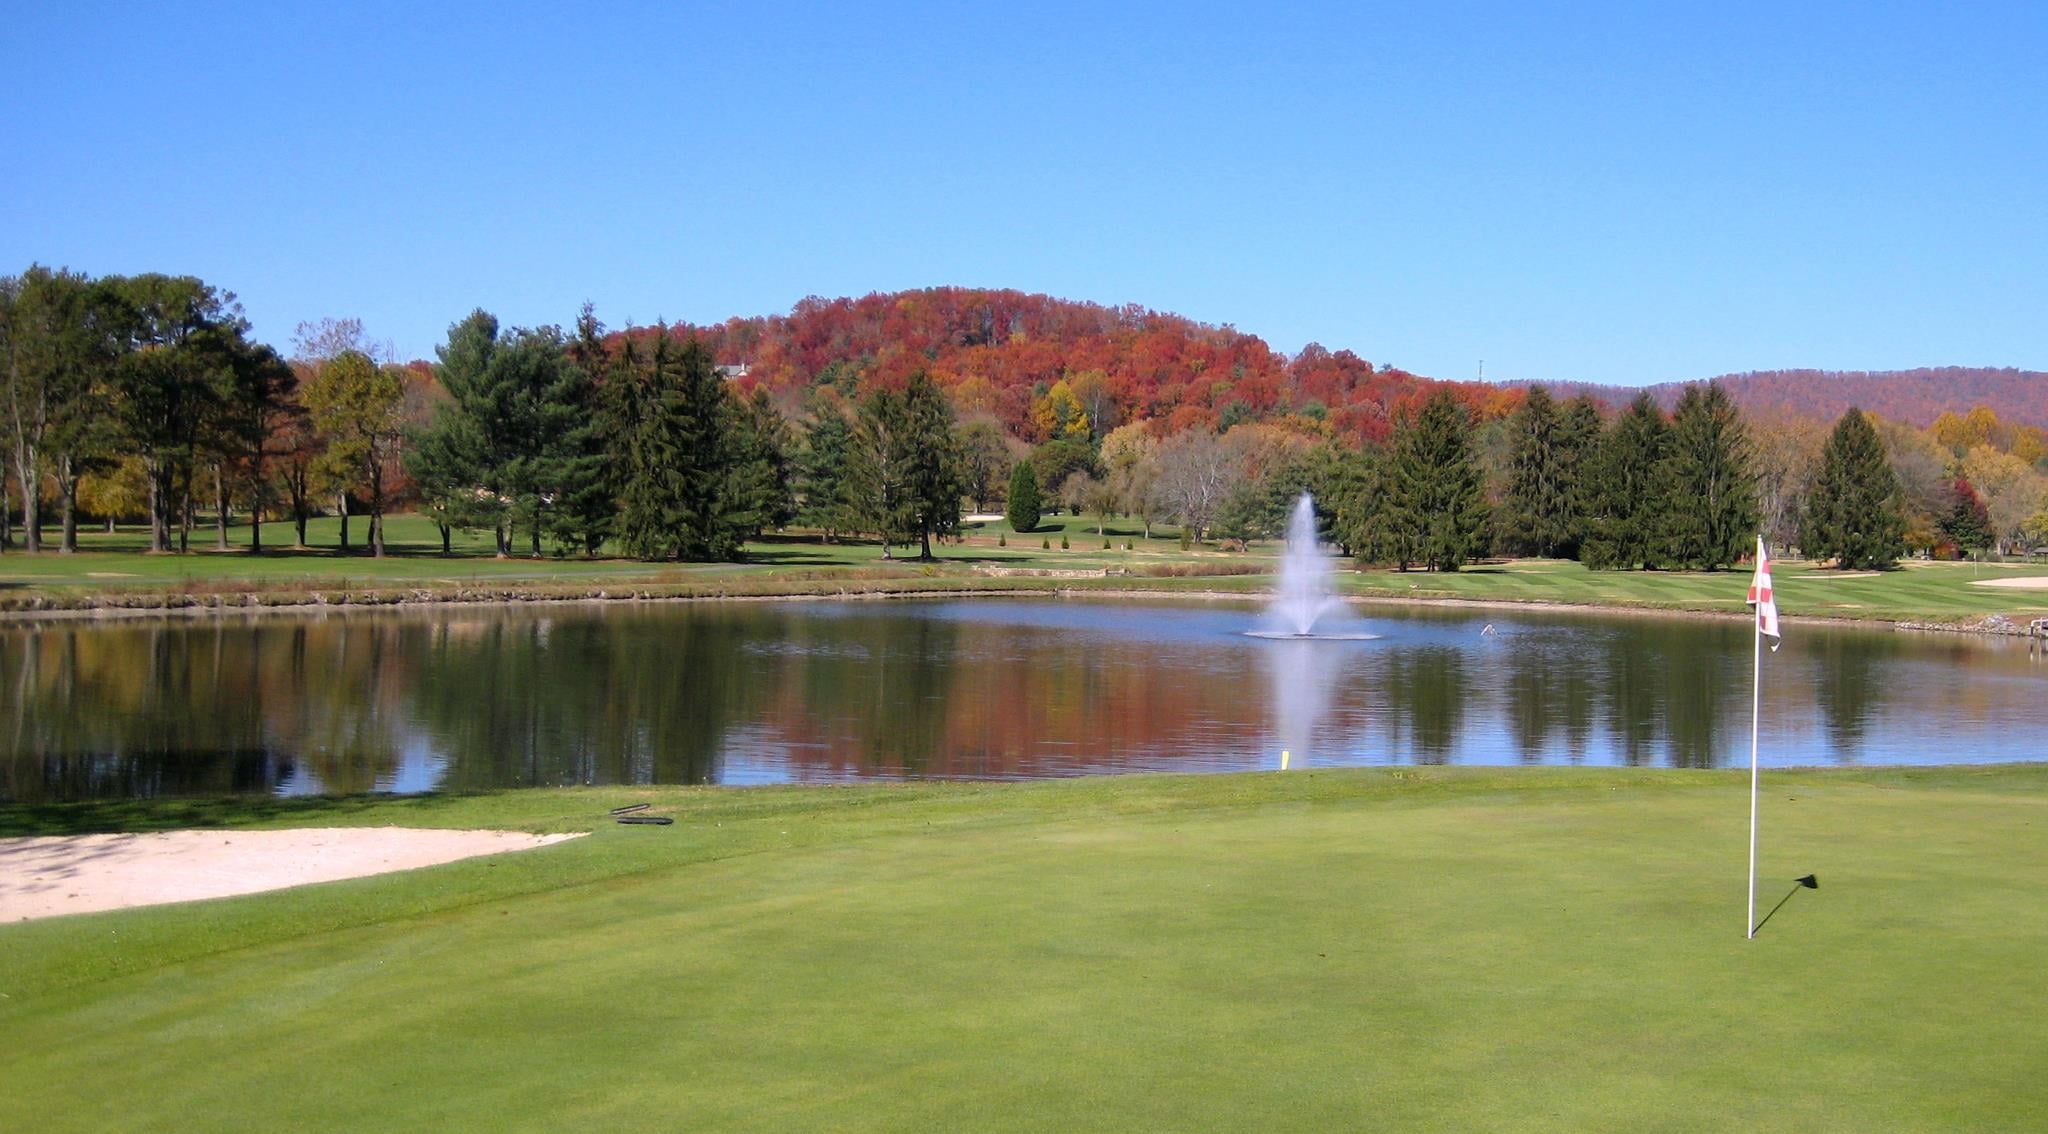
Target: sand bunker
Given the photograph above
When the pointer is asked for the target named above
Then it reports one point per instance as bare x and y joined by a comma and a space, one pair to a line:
2023, 583
43, 877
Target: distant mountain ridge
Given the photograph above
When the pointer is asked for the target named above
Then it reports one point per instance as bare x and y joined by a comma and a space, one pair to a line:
1915, 397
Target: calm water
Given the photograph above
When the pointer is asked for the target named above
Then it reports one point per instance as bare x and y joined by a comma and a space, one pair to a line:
1002, 688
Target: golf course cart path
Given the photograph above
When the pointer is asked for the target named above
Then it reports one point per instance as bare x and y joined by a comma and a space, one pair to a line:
47, 876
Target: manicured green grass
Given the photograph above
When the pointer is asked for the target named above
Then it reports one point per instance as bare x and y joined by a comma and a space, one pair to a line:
988, 555
1411, 949
1917, 592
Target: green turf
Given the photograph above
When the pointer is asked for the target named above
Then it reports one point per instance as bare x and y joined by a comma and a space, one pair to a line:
114, 566
1412, 949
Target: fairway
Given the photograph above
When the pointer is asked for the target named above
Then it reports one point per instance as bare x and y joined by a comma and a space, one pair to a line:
1412, 949
111, 570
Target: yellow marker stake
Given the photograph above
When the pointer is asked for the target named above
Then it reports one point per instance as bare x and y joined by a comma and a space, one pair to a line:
1283, 759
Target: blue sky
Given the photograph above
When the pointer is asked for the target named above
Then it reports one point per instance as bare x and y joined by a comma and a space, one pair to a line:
1623, 193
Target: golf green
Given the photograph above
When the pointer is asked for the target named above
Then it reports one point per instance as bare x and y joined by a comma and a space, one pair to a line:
1401, 949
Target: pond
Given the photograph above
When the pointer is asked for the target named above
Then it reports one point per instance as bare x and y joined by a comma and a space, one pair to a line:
1000, 688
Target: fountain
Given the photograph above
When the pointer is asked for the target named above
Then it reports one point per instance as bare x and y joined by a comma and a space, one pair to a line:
1305, 595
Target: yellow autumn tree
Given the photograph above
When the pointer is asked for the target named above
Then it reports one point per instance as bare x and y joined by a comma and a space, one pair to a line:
1059, 415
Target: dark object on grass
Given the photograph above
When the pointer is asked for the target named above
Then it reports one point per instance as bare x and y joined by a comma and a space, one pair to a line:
1808, 881
629, 809
649, 820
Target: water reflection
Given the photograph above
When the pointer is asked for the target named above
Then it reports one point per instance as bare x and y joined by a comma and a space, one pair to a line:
995, 689
1302, 676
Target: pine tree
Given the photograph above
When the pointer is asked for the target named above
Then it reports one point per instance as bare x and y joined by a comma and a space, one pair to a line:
1707, 481
1854, 513
824, 474
629, 393
932, 481
763, 486
700, 432
1537, 505
578, 502
1622, 521
1024, 507
876, 468
674, 438
1435, 510
1578, 449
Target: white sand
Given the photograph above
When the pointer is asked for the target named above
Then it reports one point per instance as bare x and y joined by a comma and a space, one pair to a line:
46, 876
2023, 583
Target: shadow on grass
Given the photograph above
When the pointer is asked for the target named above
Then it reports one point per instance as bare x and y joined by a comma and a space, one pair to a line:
111, 816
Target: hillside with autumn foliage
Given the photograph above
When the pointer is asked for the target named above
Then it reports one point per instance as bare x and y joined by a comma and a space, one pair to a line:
1916, 397
1004, 354
997, 352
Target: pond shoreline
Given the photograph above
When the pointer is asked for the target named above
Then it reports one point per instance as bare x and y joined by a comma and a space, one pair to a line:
110, 607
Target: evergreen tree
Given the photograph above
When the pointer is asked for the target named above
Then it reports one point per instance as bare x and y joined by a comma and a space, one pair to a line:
1708, 485
824, 474
1622, 524
577, 501
643, 523
492, 436
1578, 448
876, 467
763, 480
1435, 509
1854, 514
933, 484
1354, 496
1023, 511
672, 432
695, 423
1538, 516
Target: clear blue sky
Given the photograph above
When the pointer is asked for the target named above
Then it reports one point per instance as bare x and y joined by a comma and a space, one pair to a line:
1619, 193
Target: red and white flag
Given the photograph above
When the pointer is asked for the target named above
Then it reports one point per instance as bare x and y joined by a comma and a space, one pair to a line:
1761, 598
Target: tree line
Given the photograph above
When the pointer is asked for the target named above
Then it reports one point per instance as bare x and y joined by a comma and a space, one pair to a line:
145, 395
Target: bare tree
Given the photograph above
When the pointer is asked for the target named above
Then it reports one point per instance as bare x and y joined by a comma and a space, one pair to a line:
1197, 472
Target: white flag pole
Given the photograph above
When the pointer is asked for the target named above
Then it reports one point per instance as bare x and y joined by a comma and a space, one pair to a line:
1756, 683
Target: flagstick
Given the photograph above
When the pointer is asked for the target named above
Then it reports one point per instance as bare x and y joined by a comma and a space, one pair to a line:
1756, 675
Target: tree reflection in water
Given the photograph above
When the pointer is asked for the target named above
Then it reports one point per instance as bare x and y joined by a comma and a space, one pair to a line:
1004, 689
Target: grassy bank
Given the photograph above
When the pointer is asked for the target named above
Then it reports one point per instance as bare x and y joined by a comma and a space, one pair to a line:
114, 572
1536, 949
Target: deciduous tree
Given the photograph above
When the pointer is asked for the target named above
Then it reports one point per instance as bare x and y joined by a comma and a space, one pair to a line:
356, 405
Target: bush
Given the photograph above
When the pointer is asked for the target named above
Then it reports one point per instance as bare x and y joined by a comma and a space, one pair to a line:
1002, 540
1063, 542
1045, 544
1023, 511
1105, 545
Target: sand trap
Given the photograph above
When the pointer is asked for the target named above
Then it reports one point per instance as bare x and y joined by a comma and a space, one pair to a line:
2023, 583
46, 876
